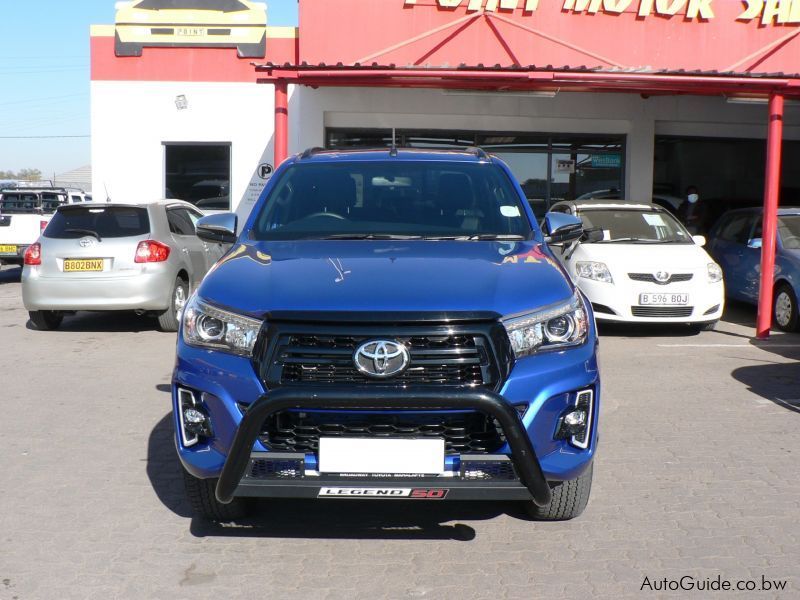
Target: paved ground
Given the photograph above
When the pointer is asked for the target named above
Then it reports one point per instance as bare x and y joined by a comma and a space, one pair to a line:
697, 476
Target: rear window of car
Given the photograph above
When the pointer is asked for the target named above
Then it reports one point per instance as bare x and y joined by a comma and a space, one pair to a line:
105, 222
19, 203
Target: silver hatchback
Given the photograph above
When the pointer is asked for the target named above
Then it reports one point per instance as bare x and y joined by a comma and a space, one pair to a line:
106, 257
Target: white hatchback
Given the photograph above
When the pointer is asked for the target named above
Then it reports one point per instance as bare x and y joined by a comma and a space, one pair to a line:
638, 264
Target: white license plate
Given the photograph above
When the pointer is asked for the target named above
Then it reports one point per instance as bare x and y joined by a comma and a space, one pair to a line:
663, 299
385, 455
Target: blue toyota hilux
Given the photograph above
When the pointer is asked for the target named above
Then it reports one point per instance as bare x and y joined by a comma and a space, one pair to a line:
388, 324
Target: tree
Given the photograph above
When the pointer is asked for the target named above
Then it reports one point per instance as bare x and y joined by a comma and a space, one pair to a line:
23, 174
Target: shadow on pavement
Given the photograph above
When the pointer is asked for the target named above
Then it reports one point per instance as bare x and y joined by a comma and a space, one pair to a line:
110, 321
316, 519
10, 275
776, 381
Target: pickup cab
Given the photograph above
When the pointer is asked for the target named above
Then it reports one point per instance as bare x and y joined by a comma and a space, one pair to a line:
24, 213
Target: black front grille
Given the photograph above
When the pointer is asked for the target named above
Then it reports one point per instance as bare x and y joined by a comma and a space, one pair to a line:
447, 360
476, 354
463, 433
650, 278
662, 311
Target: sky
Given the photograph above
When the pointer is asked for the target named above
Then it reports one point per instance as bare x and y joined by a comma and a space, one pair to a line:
44, 79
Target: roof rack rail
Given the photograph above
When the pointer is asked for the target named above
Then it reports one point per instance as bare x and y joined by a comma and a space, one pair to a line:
477, 151
308, 152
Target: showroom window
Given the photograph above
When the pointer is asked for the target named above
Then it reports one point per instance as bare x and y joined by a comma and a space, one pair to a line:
199, 173
549, 167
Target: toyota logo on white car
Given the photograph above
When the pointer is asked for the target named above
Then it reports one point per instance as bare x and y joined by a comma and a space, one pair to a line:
381, 358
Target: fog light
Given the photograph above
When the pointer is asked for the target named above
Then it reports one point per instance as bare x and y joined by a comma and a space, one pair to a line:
194, 422
575, 419
576, 422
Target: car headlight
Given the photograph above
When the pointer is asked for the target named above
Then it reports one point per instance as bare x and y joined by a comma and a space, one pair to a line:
594, 270
714, 273
206, 326
550, 328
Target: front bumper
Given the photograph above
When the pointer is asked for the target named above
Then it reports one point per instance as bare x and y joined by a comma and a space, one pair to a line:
531, 478
619, 301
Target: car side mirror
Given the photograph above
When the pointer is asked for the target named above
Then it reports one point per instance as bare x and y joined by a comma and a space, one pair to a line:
560, 228
593, 235
700, 240
219, 228
754, 243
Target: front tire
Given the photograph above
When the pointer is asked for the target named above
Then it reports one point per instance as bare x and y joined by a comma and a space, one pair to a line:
46, 320
569, 499
784, 307
170, 319
201, 496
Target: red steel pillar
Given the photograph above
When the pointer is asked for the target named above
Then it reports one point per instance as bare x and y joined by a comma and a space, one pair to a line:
281, 121
770, 227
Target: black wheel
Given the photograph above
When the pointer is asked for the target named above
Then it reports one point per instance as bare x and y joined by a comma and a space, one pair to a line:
200, 493
45, 320
709, 326
170, 319
784, 307
568, 501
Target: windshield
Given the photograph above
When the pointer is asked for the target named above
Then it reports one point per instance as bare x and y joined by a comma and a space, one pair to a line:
107, 222
789, 230
635, 226
405, 199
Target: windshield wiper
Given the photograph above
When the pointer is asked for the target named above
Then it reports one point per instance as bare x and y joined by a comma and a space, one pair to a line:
85, 232
369, 236
634, 240
478, 237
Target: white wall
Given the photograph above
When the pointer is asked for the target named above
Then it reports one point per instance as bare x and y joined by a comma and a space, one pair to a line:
132, 120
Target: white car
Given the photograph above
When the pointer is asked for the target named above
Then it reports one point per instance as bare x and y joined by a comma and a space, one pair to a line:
638, 264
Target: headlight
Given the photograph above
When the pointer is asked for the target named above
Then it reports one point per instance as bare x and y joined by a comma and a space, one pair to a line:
594, 270
208, 327
551, 328
714, 273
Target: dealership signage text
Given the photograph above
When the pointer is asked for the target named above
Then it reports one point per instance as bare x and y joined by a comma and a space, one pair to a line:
769, 11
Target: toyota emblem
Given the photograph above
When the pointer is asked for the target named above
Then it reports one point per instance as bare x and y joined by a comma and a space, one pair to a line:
381, 358
86, 242
662, 276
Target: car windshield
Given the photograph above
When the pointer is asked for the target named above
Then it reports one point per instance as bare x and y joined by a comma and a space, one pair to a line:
394, 199
789, 230
99, 222
220, 5
635, 226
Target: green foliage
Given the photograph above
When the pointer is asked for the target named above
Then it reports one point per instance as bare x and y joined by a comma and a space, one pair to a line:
22, 174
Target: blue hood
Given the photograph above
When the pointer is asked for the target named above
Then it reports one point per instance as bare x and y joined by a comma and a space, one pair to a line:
259, 278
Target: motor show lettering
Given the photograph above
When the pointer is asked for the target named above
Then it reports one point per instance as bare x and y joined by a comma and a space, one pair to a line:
782, 12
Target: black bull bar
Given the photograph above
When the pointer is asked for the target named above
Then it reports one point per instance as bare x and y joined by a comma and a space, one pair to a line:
375, 398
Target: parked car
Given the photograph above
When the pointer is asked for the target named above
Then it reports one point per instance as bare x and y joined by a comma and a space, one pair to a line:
239, 24
24, 213
642, 265
669, 202
388, 324
735, 243
102, 257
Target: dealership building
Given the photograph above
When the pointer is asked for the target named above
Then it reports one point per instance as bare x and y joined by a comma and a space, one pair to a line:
635, 98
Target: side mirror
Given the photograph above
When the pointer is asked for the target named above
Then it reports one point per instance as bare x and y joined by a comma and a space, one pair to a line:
590, 236
560, 228
219, 228
754, 243
700, 240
